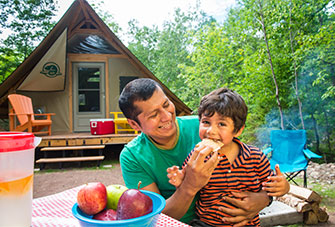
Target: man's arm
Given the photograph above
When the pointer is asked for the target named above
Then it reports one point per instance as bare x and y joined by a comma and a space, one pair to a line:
249, 204
197, 174
177, 205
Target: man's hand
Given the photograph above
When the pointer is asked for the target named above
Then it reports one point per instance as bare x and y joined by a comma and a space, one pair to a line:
278, 185
248, 204
197, 171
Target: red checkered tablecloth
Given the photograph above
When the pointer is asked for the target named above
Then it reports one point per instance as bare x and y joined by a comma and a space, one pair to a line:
55, 210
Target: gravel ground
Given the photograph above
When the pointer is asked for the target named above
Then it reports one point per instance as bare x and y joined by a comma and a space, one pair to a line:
48, 183
321, 173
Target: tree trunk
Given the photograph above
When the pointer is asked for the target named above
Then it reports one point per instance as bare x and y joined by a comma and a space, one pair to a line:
271, 64
328, 135
295, 71
316, 133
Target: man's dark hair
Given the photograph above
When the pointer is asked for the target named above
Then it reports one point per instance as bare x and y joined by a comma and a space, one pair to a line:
226, 103
136, 90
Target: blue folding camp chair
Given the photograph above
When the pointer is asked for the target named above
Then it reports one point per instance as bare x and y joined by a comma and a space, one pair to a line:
288, 149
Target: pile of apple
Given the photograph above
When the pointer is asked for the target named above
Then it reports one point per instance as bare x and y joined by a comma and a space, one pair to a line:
114, 202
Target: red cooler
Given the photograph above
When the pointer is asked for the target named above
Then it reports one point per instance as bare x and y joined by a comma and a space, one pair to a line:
102, 126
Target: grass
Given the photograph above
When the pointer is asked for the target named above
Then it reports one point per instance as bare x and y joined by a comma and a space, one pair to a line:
327, 192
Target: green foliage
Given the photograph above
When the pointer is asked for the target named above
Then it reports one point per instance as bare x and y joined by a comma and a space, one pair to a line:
300, 42
234, 54
193, 54
144, 43
109, 20
28, 22
163, 50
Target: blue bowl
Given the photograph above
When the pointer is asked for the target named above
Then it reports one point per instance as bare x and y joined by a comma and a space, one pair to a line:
146, 220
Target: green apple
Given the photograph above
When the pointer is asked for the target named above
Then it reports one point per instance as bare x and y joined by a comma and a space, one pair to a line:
114, 193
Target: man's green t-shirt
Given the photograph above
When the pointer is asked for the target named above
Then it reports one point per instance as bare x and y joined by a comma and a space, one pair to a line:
142, 160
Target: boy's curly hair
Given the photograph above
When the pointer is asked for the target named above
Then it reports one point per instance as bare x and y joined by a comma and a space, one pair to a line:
226, 103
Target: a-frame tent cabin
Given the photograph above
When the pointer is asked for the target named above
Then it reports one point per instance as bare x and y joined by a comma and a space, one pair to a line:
77, 72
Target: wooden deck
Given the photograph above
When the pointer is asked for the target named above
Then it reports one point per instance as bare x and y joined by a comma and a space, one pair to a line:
82, 139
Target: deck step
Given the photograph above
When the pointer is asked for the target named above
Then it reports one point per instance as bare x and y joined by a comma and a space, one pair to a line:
64, 158
88, 147
70, 159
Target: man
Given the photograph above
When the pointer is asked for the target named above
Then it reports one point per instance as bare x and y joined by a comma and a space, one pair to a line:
166, 141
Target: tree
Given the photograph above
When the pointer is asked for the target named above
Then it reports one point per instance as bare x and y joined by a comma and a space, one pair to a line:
109, 20
163, 50
143, 43
292, 45
237, 54
214, 63
263, 22
27, 22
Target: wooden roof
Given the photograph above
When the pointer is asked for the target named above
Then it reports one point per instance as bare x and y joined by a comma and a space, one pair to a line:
78, 18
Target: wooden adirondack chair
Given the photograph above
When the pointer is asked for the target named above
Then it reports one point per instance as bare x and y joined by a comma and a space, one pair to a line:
22, 109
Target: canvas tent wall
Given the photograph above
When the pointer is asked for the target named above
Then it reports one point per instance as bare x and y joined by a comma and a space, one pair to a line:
52, 82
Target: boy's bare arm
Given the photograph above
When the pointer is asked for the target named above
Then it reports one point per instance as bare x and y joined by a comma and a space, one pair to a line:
278, 185
175, 175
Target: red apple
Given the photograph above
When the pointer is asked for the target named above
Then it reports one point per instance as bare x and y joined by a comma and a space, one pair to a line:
106, 215
133, 203
92, 198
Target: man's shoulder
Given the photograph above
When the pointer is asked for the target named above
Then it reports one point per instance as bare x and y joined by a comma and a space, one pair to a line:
188, 117
137, 141
133, 152
188, 130
190, 120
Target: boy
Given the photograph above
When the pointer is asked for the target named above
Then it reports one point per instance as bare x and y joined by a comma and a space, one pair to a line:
241, 167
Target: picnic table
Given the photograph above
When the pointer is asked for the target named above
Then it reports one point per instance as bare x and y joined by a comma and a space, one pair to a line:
55, 210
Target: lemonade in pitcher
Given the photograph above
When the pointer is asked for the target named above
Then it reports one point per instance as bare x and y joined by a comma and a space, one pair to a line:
16, 178
16, 201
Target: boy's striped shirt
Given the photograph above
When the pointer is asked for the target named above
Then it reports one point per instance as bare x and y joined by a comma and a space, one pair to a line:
248, 171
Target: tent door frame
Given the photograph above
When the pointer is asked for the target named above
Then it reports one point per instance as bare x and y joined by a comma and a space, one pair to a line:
81, 118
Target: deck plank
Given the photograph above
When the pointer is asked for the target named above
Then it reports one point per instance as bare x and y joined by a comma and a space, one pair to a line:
70, 159
73, 148
82, 139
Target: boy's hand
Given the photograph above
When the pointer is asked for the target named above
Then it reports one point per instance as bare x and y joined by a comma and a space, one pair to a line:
277, 185
175, 175
248, 204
